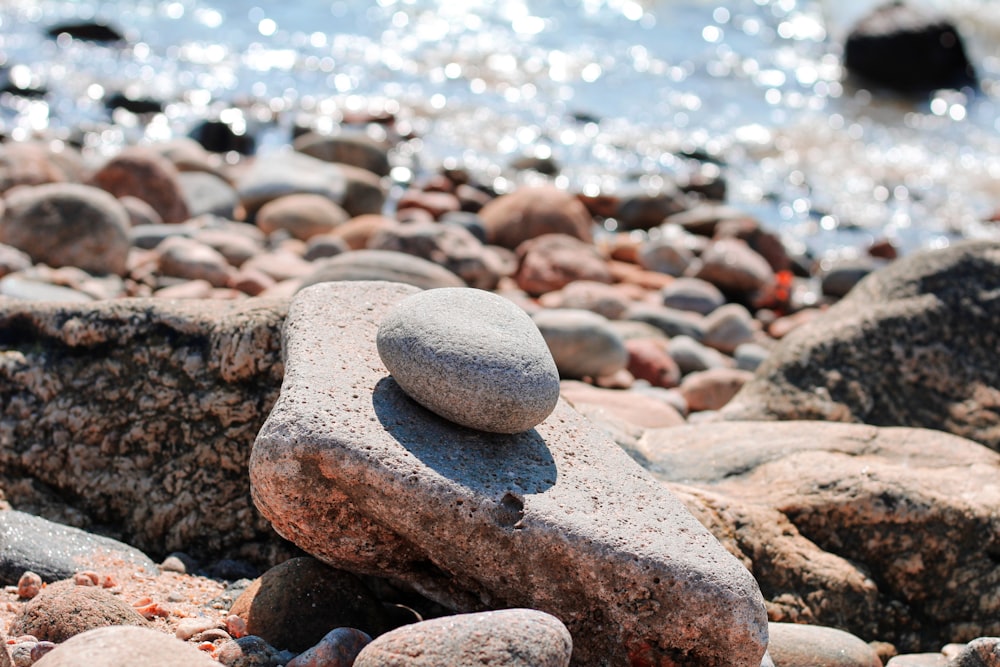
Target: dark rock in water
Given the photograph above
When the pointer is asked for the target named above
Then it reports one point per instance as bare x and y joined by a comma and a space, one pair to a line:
136, 105
645, 210
91, 31
903, 48
913, 344
55, 551
9, 85
220, 137
543, 165
357, 149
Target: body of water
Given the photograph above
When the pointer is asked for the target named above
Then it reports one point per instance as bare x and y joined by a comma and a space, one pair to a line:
615, 91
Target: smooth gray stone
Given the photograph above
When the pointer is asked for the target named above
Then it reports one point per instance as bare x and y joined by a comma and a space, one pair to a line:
692, 294
148, 237
290, 172
472, 357
54, 551
691, 356
558, 519
583, 343
505, 638
206, 193
670, 321
387, 265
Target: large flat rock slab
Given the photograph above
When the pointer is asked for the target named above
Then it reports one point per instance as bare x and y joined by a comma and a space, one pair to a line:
139, 414
890, 533
558, 519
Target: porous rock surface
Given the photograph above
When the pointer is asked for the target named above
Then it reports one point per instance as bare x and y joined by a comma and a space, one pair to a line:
889, 533
64, 609
140, 414
914, 344
558, 519
472, 357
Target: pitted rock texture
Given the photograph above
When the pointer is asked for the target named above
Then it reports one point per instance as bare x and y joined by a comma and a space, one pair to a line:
914, 344
557, 519
889, 533
140, 414
472, 357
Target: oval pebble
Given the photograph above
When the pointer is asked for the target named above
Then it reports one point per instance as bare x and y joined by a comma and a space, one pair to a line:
472, 357
505, 638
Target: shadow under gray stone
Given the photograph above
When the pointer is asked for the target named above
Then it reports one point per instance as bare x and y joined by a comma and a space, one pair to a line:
475, 459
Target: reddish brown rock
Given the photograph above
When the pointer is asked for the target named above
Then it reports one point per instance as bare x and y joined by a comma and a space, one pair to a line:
301, 215
530, 212
649, 360
765, 243
712, 389
149, 423
611, 301
357, 231
632, 407
188, 259
733, 267
280, 265
436, 204
67, 224
64, 609
145, 174
552, 261
188, 289
909, 515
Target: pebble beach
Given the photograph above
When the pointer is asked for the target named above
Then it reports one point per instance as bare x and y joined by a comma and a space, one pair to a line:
207, 256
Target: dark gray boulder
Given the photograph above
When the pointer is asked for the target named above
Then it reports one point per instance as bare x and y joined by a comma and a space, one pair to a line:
54, 551
914, 344
904, 48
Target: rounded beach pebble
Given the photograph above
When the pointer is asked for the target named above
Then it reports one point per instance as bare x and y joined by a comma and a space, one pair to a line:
472, 357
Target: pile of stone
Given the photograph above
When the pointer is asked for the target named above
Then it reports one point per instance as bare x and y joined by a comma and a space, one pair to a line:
527, 436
